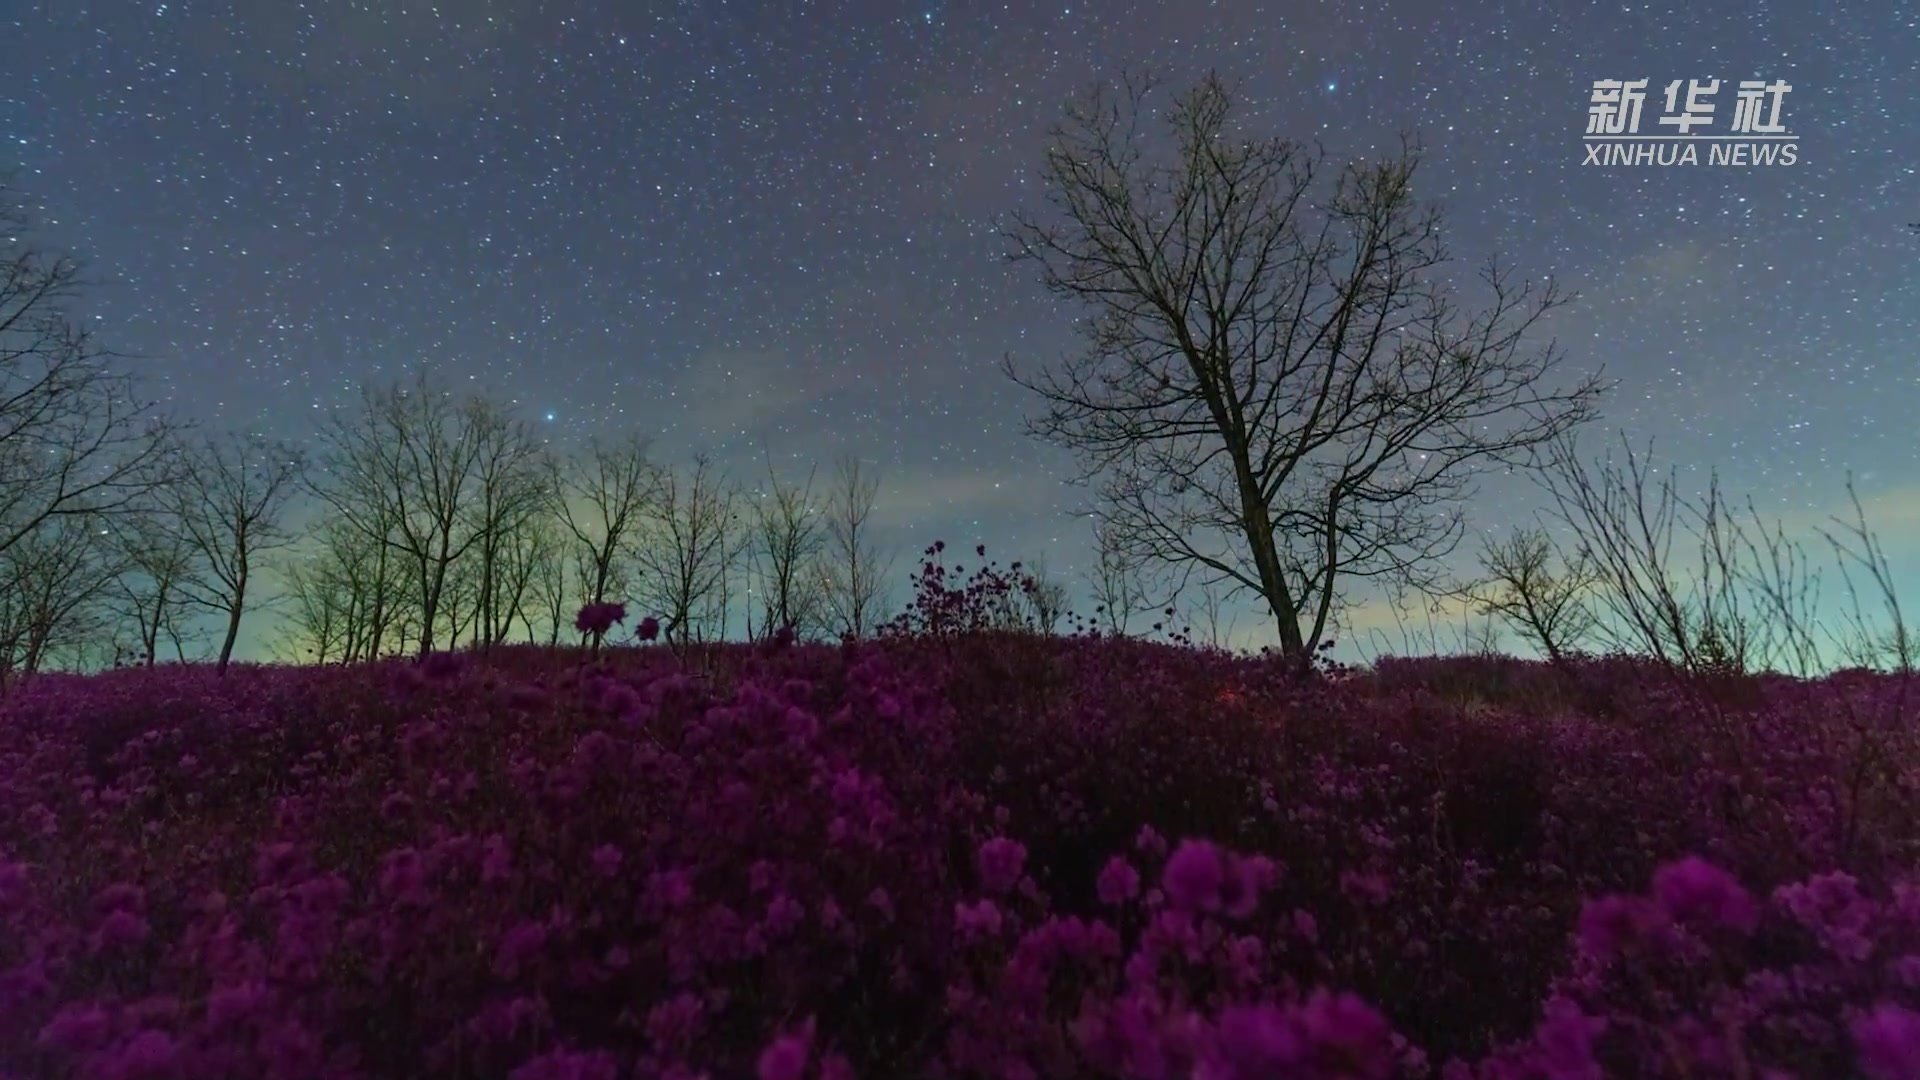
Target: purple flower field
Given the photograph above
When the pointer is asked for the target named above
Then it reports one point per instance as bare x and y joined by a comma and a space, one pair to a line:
996, 855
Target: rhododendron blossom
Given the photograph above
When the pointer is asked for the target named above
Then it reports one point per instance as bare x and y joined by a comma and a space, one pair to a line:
962, 850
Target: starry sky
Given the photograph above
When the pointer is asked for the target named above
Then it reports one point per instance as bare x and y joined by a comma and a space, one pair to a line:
775, 225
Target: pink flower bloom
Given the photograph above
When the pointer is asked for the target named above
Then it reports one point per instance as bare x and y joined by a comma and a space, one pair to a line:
148, 1054
597, 619
1149, 842
1119, 882
229, 1005
606, 860
1565, 1040
1611, 925
1364, 887
1194, 876
1258, 1040
76, 1028
1347, 1033
496, 865
1888, 1038
564, 1064
13, 881
785, 1058
520, 946
1695, 890
980, 919
1001, 862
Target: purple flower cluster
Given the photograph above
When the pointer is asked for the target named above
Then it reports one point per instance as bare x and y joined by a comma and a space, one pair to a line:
954, 855
597, 619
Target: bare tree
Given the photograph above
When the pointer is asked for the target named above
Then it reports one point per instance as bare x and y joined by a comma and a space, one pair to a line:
1118, 589
685, 550
854, 572
459, 602
405, 471
75, 438
230, 506
1045, 597
1288, 405
1210, 605
510, 490
317, 622
1857, 549
602, 498
1545, 605
553, 588
1785, 588
785, 541
53, 580
1628, 520
348, 596
157, 563
521, 559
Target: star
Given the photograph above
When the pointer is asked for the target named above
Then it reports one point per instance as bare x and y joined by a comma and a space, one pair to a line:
773, 236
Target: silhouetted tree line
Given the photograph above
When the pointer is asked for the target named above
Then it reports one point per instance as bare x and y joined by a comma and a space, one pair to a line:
1281, 398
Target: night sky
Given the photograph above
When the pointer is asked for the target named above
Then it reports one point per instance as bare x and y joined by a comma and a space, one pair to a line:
744, 224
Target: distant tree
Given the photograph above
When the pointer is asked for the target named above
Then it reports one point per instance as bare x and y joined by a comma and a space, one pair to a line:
1046, 598
854, 572
602, 498
552, 587
406, 470
686, 550
510, 491
157, 562
1664, 569
347, 594
53, 581
1890, 642
1118, 589
1545, 603
1209, 606
76, 440
230, 506
1277, 390
520, 562
785, 540
316, 625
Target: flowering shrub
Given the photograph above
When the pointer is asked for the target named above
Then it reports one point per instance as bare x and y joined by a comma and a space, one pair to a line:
952, 858
594, 620
945, 604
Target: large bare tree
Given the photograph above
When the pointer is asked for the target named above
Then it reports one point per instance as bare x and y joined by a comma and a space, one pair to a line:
1279, 390
76, 439
230, 505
